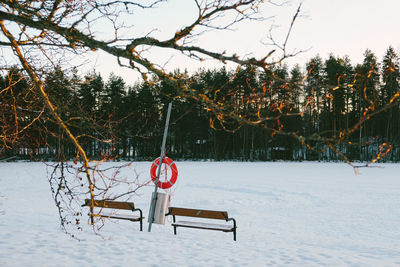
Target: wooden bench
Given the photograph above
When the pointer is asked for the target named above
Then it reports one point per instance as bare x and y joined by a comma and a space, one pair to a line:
116, 205
204, 214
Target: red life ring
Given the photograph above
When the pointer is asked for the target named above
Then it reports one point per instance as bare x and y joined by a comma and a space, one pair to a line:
174, 169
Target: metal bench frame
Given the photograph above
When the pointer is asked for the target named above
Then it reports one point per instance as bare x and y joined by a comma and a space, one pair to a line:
115, 205
204, 214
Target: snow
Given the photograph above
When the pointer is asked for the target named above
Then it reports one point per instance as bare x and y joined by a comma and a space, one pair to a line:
290, 214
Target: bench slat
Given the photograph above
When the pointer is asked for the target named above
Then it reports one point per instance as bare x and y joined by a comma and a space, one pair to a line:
111, 204
209, 214
203, 225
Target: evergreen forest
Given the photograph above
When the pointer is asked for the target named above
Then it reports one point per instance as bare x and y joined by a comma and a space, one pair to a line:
327, 98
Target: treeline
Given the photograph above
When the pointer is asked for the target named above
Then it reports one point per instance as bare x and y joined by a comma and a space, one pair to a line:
326, 98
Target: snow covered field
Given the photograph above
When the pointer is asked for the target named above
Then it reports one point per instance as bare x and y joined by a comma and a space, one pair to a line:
288, 214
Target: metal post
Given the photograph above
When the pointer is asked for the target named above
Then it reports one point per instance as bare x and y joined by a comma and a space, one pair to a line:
162, 155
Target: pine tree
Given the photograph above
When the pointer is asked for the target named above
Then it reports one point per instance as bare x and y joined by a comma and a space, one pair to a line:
390, 85
89, 93
313, 94
112, 112
62, 95
296, 79
367, 90
334, 71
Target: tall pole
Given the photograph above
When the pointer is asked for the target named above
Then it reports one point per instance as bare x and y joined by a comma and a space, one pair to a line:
162, 155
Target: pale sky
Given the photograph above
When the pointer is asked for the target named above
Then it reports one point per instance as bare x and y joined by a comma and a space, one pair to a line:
341, 27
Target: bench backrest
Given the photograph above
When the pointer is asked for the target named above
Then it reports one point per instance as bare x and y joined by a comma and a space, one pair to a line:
111, 204
210, 214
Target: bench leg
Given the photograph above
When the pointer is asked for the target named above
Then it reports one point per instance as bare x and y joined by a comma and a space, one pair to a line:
141, 225
234, 235
91, 215
173, 219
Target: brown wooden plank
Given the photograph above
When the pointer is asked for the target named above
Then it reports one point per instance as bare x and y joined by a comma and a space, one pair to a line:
111, 204
210, 214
